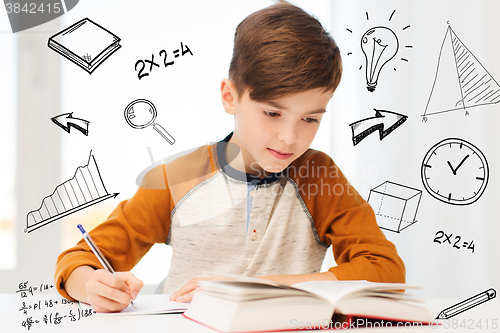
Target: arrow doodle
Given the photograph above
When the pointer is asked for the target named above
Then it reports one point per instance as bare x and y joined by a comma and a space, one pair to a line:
384, 121
65, 121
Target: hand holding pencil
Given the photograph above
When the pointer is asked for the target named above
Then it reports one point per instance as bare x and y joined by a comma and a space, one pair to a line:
107, 290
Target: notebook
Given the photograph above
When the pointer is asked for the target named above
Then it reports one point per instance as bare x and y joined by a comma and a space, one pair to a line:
147, 305
85, 43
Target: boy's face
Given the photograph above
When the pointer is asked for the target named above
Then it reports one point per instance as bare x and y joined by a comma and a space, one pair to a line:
272, 134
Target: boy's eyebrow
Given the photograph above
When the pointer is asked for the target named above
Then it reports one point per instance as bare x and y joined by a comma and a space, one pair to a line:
281, 107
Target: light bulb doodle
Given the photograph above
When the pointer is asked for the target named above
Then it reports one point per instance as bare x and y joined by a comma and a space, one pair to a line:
379, 45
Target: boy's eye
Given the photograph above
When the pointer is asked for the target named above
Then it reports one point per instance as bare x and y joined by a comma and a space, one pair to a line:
310, 120
271, 113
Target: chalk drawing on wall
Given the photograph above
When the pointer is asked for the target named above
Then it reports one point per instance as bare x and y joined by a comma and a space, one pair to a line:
380, 45
84, 189
395, 205
455, 171
461, 81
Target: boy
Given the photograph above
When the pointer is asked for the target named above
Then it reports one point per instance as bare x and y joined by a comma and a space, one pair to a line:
258, 203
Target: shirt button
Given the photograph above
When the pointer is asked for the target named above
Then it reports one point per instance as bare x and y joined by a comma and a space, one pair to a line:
253, 235
252, 193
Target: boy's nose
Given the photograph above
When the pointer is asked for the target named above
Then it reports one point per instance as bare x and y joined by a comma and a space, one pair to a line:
288, 134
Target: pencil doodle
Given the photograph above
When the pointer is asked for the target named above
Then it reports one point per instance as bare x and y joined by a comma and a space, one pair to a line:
379, 44
384, 121
455, 171
395, 205
461, 81
84, 189
456, 244
85, 43
66, 121
142, 113
467, 304
141, 64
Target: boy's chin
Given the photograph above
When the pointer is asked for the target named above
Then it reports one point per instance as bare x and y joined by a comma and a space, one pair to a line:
263, 169
274, 169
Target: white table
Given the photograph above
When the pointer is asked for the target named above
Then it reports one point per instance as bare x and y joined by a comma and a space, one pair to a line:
12, 317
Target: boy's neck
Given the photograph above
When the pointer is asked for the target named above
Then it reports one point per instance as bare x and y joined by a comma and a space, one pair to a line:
238, 162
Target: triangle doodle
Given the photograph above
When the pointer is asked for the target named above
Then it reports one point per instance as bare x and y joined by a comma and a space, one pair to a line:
461, 81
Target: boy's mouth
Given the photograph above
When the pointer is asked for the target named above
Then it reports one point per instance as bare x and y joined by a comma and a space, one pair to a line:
279, 154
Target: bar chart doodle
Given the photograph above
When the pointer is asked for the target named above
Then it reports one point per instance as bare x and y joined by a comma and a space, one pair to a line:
84, 189
461, 81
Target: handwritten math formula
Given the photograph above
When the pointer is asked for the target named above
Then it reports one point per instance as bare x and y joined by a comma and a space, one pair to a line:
145, 67
49, 310
25, 289
443, 238
41, 304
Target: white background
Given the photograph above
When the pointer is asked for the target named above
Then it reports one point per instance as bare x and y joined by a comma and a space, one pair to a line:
186, 96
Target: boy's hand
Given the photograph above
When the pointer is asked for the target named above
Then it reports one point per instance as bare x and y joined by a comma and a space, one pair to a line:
111, 293
185, 294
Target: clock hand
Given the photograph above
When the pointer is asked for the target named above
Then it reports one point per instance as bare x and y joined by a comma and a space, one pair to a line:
452, 170
458, 166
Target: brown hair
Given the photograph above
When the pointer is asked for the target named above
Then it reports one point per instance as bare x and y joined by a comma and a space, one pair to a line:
282, 50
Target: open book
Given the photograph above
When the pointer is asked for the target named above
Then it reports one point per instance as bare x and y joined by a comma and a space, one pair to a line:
250, 305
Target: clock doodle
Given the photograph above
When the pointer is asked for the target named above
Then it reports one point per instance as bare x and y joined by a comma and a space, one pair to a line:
455, 171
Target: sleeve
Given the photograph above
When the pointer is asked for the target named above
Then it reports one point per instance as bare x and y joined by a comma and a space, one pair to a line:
346, 221
360, 248
129, 232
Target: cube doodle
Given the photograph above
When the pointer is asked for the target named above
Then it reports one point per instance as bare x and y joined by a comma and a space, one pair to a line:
395, 205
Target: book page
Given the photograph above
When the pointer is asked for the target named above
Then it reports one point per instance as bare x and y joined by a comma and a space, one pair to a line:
148, 304
334, 291
244, 290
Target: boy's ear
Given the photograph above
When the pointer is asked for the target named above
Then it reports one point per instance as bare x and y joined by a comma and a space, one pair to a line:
228, 95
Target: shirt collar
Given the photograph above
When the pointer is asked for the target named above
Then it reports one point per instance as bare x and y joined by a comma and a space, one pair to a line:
240, 175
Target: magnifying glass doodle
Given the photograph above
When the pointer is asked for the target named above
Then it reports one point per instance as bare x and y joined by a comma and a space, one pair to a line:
142, 113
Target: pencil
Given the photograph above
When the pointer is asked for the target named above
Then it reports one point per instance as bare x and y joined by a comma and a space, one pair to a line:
467, 304
98, 254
